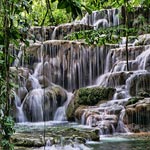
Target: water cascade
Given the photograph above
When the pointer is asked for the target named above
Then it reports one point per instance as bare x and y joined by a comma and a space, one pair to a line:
55, 64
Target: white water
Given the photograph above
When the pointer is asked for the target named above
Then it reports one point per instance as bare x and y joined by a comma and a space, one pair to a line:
68, 147
60, 114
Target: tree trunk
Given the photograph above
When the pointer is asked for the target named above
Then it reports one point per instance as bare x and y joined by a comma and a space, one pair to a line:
6, 33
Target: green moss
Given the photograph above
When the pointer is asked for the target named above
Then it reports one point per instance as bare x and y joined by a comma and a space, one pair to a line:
70, 111
133, 100
91, 96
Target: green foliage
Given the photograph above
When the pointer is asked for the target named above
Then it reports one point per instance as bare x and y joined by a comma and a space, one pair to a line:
102, 36
72, 6
7, 124
55, 12
97, 4
14, 27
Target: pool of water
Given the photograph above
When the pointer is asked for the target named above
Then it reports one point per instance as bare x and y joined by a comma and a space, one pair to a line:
120, 143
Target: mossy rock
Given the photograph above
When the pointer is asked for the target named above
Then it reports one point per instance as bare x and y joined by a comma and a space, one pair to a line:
91, 96
56, 135
88, 97
133, 100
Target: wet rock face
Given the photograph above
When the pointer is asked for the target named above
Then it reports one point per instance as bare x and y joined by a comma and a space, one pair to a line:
143, 40
138, 115
115, 79
95, 117
138, 83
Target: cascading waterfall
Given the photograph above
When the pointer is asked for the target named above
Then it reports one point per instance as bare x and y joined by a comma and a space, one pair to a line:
73, 65
20, 116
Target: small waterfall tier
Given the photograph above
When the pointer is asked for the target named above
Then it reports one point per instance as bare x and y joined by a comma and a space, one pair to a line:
58, 32
36, 99
103, 18
98, 19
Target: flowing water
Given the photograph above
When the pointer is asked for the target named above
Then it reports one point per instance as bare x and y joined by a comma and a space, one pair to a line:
118, 142
57, 67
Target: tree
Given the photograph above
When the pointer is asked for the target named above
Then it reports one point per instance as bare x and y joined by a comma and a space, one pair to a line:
54, 12
12, 22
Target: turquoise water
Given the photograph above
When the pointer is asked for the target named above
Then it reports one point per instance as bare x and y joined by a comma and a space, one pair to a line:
119, 143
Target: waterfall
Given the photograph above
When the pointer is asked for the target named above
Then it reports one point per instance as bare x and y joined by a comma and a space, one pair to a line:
20, 116
121, 127
104, 18
60, 114
57, 67
65, 66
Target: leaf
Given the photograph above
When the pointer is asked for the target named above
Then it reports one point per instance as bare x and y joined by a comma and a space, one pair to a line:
27, 42
12, 58
87, 9
12, 17
14, 85
62, 4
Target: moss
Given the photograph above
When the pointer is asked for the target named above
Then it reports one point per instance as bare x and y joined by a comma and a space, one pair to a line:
88, 97
133, 100
91, 96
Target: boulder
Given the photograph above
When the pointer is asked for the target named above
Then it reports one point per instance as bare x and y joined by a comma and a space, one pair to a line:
43, 101
88, 97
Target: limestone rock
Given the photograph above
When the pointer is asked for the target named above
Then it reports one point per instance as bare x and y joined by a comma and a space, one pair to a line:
138, 114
